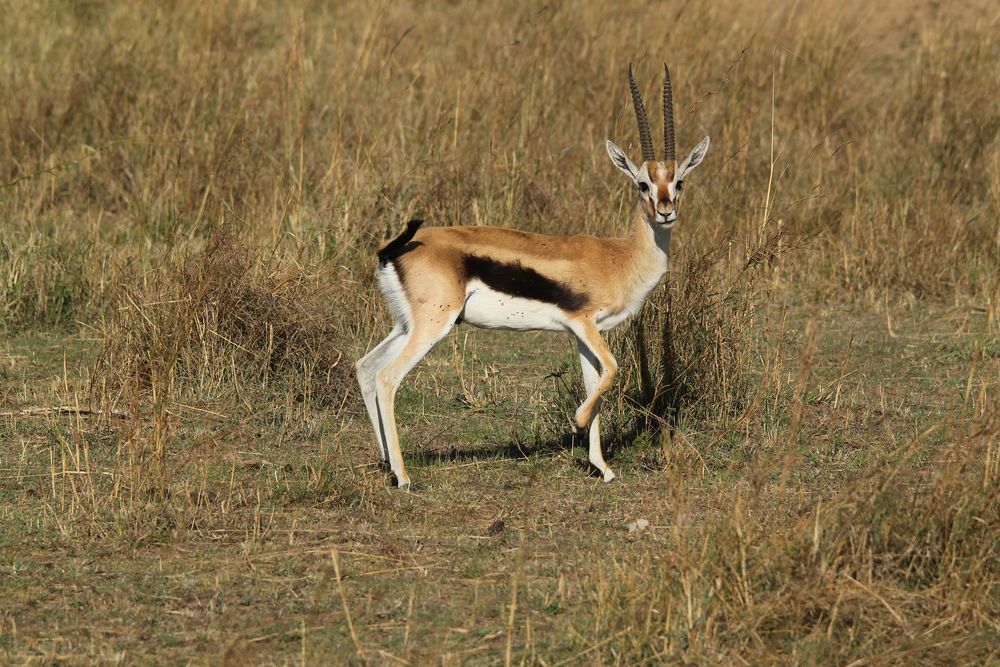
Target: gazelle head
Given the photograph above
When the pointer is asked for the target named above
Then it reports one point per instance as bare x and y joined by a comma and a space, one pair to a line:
659, 181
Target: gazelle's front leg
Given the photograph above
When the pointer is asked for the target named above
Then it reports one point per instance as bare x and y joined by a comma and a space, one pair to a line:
599, 370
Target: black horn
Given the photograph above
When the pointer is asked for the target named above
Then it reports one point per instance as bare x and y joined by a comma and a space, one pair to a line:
668, 117
640, 116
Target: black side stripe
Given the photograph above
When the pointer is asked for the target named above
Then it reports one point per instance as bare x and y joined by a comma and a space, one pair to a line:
401, 244
515, 279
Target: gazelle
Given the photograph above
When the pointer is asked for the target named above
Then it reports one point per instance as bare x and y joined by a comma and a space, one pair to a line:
494, 278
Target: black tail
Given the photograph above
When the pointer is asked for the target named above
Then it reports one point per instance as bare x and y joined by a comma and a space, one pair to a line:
398, 245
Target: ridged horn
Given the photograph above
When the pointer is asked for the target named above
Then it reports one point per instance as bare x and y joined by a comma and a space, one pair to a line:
640, 116
668, 117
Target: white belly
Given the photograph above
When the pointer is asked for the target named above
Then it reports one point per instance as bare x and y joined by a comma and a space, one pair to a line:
488, 309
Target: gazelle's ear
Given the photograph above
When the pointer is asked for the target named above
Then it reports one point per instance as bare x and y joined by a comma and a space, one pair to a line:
621, 161
694, 159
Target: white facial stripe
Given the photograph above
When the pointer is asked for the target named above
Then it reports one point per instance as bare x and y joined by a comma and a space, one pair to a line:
643, 178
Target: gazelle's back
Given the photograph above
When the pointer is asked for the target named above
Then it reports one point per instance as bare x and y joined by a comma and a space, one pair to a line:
514, 244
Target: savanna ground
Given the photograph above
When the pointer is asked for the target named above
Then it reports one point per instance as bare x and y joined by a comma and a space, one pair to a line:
807, 415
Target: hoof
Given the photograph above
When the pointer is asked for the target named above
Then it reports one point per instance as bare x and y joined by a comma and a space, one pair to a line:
404, 485
609, 475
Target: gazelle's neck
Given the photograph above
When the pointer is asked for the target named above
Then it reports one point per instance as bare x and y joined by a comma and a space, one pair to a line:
650, 243
648, 246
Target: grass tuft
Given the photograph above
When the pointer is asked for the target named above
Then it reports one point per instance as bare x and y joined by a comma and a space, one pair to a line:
226, 321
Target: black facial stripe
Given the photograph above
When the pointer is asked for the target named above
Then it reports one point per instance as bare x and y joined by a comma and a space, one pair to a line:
517, 280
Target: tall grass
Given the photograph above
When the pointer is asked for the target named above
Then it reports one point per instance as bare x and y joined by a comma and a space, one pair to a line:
202, 185
129, 131
216, 323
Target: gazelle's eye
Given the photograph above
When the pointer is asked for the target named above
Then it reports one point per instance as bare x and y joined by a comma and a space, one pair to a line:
643, 186
679, 186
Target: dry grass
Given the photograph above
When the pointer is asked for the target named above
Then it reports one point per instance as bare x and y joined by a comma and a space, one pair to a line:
903, 564
216, 324
190, 198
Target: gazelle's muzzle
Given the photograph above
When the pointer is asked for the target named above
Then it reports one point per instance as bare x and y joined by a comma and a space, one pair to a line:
665, 212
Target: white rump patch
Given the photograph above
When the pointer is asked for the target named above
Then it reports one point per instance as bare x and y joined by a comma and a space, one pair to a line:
395, 296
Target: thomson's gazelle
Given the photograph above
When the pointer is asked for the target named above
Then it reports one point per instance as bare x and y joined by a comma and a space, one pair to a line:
434, 278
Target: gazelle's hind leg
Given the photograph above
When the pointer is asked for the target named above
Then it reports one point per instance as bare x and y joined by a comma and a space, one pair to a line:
421, 339
425, 309
599, 370
367, 367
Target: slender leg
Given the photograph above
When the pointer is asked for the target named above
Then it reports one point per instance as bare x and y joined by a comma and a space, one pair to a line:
387, 379
594, 354
366, 368
591, 376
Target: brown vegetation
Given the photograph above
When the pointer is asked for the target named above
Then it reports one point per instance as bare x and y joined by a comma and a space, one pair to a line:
191, 194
